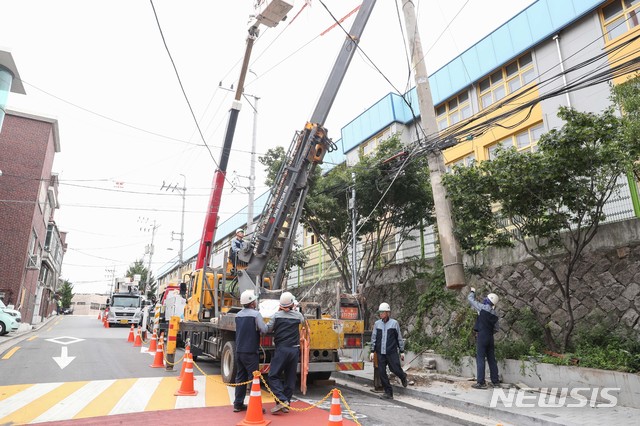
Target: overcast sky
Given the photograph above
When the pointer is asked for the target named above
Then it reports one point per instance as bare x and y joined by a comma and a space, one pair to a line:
102, 70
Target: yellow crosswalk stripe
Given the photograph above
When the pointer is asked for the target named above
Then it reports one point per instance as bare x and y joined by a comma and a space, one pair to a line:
9, 391
35, 408
18, 400
104, 403
71, 405
163, 396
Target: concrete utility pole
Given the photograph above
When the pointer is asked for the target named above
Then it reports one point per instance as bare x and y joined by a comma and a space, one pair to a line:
252, 168
451, 253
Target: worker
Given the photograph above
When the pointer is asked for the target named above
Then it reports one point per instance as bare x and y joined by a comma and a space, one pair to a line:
387, 345
285, 325
486, 326
249, 326
236, 246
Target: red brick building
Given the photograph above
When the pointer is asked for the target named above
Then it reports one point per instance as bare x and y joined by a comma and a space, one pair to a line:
32, 246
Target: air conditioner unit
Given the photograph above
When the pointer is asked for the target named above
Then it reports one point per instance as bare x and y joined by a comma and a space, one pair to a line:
33, 261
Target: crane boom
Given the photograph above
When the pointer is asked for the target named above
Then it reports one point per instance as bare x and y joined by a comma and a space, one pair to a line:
308, 148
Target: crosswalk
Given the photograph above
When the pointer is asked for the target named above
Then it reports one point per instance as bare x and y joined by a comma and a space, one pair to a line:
45, 402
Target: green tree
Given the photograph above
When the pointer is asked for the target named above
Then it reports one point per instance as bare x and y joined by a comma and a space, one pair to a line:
551, 201
390, 205
66, 293
148, 283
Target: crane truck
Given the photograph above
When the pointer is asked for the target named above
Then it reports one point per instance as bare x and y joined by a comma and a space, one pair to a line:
212, 296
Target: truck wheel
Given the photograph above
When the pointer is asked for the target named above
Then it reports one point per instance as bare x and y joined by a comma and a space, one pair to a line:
228, 362
319, 375
3, 329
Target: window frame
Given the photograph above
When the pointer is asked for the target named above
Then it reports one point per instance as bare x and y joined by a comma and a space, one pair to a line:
513, 139
628, 14
499, 80
445, 118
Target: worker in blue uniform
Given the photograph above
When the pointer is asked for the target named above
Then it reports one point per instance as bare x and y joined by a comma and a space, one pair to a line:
486, 326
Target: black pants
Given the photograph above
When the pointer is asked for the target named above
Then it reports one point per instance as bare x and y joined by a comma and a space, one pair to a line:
285, 360
393, 361
485, 349
246, 364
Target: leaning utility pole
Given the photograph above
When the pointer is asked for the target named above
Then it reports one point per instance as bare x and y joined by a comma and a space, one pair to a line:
451, 253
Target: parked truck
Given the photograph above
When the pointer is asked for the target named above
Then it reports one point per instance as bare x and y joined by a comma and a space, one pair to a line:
212, 295
125, 305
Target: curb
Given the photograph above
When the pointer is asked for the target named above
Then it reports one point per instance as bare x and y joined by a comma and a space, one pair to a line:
18, 334
469, 407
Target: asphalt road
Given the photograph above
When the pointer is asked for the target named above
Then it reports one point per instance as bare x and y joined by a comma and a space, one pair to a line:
79, 349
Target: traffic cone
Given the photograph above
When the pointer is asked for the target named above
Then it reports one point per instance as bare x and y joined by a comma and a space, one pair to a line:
187, 354
335, 415
105, 323
186, 387
254, 410
99, 315
138, 342
158, 360
154, 343
130, 338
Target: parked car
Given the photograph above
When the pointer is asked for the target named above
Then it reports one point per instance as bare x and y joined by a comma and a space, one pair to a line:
8, 322
11, 311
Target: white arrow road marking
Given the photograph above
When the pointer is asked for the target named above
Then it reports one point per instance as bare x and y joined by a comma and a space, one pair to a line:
64, 359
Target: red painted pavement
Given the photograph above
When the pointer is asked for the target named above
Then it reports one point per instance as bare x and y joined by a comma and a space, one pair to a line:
217, 416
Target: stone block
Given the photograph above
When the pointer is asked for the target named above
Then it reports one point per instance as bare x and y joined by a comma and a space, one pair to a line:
630, 318
622, 252
632, 291
429, 363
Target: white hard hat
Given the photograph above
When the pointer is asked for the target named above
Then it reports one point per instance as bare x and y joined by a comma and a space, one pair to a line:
493, 298
384, 307
286, 299
247, 297
239, 230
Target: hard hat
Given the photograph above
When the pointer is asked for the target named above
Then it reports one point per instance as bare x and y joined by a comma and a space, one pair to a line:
286, 299
239, 230
247, 297
493, 298
384, 307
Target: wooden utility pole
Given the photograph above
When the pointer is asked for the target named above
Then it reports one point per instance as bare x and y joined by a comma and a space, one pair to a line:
451, 253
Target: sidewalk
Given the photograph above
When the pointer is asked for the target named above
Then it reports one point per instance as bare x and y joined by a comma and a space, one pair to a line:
25, 328
456, 393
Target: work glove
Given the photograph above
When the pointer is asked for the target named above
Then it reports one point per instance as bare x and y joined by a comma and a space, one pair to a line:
371, 357
401, 357
473, 290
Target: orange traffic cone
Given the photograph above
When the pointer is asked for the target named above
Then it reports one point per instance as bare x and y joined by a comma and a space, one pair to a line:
186, 387
105, 323
254, 410
158, 360
99, 315
335, 415
138, 342
130, 338
187, 354
153, 345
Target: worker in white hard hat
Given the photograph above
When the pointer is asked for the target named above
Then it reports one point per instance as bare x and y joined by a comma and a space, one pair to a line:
236, 246
486, 326
285, 325
249, 326
387, 345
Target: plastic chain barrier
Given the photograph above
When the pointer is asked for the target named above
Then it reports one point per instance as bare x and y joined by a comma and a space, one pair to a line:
264, 381
315, 405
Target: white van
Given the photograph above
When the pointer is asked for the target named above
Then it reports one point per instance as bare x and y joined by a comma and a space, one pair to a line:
7, 322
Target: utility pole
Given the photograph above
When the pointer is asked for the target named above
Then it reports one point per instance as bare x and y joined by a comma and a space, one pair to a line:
354, 242
252, 166
252, 169
183, 192
451, 252
149, 249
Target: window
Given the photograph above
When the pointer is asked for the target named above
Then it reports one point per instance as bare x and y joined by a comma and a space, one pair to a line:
526, 140
464, 161
619, 17
453, 111
507, 80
